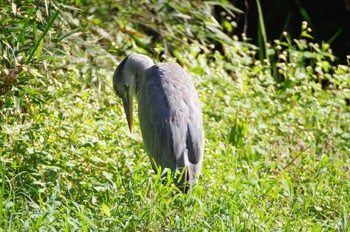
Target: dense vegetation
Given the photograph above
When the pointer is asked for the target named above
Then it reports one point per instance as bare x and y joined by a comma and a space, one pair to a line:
329, 22
277, 126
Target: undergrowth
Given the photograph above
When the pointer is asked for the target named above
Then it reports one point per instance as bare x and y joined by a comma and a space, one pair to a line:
276, 130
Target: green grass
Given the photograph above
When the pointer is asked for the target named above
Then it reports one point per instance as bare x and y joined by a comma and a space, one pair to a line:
277, 143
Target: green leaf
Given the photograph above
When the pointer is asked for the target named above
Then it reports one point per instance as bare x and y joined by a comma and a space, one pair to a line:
38, 51
106, 210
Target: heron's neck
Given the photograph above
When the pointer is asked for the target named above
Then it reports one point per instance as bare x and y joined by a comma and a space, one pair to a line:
140, 63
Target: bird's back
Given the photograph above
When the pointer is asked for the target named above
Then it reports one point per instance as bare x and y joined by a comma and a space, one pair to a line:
170, 119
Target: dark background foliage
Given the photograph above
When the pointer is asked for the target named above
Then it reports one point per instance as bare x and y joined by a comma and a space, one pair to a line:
329, 21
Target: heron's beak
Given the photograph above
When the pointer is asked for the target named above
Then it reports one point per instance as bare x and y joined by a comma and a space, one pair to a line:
128, 107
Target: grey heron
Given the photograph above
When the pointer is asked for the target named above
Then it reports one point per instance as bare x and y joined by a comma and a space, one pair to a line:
169, 114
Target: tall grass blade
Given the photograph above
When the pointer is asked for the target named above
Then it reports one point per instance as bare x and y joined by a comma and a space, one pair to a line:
37, 44
21, 37
335, 36
263, 43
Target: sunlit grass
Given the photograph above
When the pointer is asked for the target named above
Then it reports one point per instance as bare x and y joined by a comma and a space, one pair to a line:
276, 153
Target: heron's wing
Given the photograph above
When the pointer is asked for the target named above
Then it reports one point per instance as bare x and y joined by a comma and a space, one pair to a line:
195, 134
170, 117
154, 112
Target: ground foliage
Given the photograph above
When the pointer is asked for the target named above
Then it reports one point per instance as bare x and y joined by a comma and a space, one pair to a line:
277, 130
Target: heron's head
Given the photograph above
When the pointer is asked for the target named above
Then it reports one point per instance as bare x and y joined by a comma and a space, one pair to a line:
124, 87
126, 81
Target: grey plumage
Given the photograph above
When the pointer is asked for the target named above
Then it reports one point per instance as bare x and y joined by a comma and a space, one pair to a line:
169, 114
